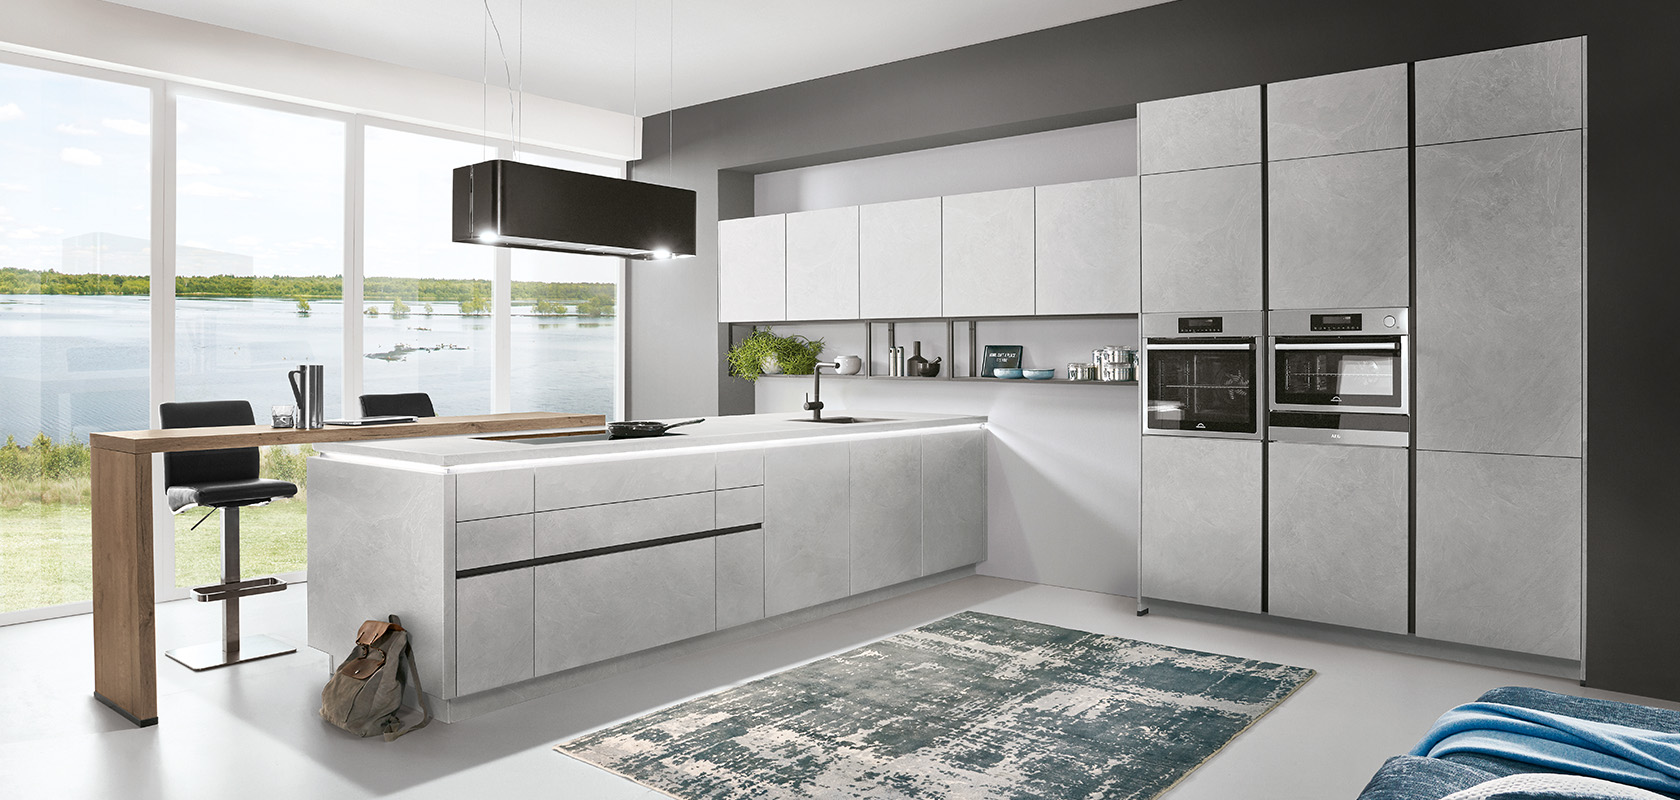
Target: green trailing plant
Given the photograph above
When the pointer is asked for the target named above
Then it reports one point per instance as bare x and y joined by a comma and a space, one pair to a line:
796, 355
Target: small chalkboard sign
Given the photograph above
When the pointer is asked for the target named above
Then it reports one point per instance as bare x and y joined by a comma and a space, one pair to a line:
999, 355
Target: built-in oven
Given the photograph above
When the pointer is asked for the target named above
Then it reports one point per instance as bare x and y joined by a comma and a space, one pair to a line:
1202, 374
1340, 376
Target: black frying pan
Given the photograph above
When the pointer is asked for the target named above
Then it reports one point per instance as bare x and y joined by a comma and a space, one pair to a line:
637, 429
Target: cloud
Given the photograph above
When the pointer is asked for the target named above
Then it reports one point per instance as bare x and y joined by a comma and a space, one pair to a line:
245, 241
203, 189
23, 233
76, 155
72, 129
184, 167
10, 111
14, 187
132, 127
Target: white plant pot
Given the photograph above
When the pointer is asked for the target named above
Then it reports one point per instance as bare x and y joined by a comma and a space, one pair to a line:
768, 366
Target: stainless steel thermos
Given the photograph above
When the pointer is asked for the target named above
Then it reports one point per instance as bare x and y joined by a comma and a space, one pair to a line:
309, 387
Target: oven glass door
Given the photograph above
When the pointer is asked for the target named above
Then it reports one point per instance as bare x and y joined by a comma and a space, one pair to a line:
1203, 385
1338, 372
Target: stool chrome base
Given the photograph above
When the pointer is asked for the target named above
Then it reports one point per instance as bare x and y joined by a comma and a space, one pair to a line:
210, 655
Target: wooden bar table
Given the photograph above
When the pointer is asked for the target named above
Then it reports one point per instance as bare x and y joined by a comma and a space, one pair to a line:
124, 630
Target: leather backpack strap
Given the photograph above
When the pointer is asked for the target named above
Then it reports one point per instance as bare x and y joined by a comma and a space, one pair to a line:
406, 661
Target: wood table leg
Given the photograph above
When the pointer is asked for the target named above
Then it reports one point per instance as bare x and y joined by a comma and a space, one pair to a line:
124, 598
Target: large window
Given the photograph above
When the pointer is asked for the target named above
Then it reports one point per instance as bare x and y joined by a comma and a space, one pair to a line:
427, 317
270, 207
75, 259
259, 289
564, 326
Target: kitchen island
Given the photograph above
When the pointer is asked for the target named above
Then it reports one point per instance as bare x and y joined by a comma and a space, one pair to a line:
525, 564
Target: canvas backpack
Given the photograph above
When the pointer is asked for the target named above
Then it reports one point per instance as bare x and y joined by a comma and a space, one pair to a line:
366, 691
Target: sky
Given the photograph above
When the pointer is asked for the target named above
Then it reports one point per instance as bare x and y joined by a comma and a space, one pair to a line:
269, 184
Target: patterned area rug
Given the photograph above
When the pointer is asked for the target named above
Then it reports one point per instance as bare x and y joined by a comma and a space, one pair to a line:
971, 706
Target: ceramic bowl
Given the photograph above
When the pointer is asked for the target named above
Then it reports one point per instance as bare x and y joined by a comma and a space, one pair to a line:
1006, 372
1038, 374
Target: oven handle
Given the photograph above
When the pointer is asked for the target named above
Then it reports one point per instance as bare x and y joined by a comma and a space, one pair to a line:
1333, 346
1248, 346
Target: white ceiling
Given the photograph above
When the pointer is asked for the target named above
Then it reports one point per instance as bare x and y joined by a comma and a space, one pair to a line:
579, 50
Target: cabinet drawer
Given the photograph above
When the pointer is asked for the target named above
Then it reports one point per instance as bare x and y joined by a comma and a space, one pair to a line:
592, 609
493, 630
492, 494
574, 485
743, 506
740, 578
481, 543
740, 468
574, 529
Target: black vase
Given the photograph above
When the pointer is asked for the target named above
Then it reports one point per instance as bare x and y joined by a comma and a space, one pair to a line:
916, 366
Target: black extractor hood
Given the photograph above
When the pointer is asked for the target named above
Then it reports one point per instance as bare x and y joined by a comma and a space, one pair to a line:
513, 204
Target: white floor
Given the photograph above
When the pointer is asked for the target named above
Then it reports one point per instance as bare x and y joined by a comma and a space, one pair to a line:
250, 731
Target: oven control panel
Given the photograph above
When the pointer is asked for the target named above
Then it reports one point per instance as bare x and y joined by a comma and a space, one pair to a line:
1338, 322
1201, 324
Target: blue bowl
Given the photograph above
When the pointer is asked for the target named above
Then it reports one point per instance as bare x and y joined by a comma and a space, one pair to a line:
1038, 374
1006, 372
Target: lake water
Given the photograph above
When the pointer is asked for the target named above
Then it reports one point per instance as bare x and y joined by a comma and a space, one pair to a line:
71, 365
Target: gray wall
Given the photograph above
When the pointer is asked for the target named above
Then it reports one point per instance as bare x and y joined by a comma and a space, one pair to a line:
1097, 71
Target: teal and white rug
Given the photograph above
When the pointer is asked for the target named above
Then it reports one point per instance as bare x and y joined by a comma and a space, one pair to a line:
971, 706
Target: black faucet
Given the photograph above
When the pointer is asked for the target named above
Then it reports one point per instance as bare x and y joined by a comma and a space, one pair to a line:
815, 406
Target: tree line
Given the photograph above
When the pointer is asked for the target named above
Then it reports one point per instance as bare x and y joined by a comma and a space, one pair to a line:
27, 281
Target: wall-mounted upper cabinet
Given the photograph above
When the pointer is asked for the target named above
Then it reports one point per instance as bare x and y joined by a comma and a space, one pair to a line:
752, 269
899, 259
1529, 89
822, 264
1201, 240
989, 254
1339, 231
1217, 129
1349, 112
1088, 236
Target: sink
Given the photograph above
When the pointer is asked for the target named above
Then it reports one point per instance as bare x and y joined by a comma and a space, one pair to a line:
843, 420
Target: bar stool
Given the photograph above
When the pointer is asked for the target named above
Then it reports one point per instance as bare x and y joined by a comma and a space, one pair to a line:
225, 480
411, 404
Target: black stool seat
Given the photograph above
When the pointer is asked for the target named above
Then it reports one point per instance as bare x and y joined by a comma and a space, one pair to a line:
228, 494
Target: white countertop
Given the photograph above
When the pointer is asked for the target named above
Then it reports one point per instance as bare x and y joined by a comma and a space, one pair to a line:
445, 452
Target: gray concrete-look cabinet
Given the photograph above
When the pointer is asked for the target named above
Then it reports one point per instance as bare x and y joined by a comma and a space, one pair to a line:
740, 578
1201, 521
900, 259
499, 540
1216, 129
493, 494
572, 530
1499, 290
1087, 247
1340, 231
1338, 534
953, 500
494, 630
588, 484
1529, 89
822, 264
988, 254
1348, 112
1201, 240
752, 269
807, 552
736, 468
886, 511
584, 614
1499, 551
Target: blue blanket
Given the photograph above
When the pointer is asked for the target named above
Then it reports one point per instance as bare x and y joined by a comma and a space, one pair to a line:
1632, 756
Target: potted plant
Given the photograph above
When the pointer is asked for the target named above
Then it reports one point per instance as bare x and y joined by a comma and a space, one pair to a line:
765, 353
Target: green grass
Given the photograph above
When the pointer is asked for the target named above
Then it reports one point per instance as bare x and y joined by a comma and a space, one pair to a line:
46, 549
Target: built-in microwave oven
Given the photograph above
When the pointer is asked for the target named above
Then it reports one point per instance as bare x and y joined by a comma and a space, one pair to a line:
1340, 376
1202, 375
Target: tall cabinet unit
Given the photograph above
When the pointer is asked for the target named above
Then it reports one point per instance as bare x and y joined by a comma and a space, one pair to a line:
1201, 521
1500, 338
1338, 191
1199, 158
